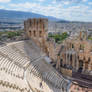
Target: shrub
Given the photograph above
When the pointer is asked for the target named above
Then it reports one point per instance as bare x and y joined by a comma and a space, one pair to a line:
11, 34
59, 37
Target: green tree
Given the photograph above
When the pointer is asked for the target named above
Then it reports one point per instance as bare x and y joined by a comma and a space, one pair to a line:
59, 37
11, 34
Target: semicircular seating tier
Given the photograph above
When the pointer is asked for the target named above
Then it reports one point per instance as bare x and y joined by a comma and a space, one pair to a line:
17, 59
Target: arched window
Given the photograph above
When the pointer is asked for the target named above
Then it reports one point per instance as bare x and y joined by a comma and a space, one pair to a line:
71, 57
61, 61
40, 33
30, 33
72, 46
40, 20
75, 61
84, 58
34, 33
89, 59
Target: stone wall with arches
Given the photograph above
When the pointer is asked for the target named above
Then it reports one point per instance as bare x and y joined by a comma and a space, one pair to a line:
77, 55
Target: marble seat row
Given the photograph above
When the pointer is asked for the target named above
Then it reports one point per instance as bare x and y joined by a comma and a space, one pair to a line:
9, 66
12, 71
48, 74
12, 76
33, 70
22, 51
14, 56
12, 59
12, 79
10, 86
43, 81
21, 58
25, 49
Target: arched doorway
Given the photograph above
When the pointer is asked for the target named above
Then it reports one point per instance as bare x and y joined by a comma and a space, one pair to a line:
71, 60
80, 66
61, 62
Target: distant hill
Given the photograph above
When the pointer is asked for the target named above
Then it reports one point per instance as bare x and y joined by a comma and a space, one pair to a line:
9, 14
66, 21
63, 21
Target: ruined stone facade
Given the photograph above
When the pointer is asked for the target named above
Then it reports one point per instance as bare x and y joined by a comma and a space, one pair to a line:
37, 30
76, 54
74, 59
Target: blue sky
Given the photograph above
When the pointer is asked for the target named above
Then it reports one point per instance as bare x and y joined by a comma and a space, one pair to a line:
77, 10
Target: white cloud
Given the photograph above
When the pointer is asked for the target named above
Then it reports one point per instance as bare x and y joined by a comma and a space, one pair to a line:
41, 0
54, 2
2, 7
66, 2
78, 12
4, 1
49, 10
90, 3
26, 5
72, 1
84, 0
